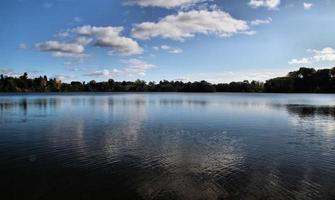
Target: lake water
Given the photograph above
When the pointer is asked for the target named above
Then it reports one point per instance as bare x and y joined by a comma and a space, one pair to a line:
167, 146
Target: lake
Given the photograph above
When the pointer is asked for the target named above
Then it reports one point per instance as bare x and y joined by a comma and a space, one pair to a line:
167, 146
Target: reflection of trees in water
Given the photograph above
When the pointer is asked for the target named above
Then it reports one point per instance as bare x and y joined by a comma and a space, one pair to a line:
116, 139
311, 111
313, 119
19, 107
183, 102
26, 103
312, 142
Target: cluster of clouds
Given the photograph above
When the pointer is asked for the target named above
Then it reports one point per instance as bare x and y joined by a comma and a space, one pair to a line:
180, 26
184, 24
105, 37
325, 54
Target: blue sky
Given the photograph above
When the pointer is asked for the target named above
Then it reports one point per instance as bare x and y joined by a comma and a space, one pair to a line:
213, 40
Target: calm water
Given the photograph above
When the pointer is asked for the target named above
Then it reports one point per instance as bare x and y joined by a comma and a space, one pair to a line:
167, 146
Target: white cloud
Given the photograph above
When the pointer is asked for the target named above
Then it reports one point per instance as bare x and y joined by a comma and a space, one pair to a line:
167, 48
270, 4
249, 32
62, 49
176, 51
325, 54
162, 3
104, 73
83, 40
136, 67
110, 37
62, 34
307, 6
68, 55
107, 37
132, 67
299, 61
230, 76
261, 21
188, 24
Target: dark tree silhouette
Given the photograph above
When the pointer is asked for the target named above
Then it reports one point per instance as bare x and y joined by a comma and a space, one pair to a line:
303, 80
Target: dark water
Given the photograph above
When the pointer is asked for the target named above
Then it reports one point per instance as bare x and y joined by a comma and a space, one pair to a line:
167, 146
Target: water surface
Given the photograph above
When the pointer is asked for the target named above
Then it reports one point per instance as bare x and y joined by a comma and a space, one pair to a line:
167, 146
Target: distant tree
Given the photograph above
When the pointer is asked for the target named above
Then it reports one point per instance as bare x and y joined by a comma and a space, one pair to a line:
302, 80
281, 84
322, 80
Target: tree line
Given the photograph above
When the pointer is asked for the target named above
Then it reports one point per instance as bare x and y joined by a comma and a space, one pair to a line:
303, 80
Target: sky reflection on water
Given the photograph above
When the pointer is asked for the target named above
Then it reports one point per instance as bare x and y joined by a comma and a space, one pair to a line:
169, 146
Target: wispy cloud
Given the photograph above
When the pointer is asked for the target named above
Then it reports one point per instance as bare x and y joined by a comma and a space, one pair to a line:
169, 49
261, 21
